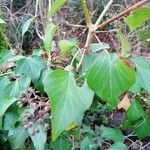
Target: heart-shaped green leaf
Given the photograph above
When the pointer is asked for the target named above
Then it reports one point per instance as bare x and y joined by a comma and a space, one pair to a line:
30, 66
110, 76
68, 101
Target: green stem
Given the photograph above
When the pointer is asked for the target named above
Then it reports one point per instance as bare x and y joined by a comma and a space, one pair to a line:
6, 39
86, 12
103, 12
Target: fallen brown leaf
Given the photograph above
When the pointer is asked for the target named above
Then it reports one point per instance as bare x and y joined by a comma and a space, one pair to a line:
124, 103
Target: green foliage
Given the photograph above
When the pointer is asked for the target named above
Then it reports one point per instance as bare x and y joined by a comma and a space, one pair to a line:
57, 113
137, 18
26, 25
135, 112
118, 146
56, 6
16, 87
3, 41
49, 35
5, 103
30, 66
68, 100
138, 120
18, 137
39, 140
86, 144
125, 45
142, 75
96, 47
67, 45
2, 21
107, 75
112, 134
61, 143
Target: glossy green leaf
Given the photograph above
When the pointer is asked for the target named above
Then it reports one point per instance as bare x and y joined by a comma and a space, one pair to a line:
110, 76
66, 46
112, 134
118, 146
26, 25
137, 18
138, 120
68, 101
142, 128
56, 6
39, 139
142, 75
126, 124
30, 66
135, 111
49, 35
18, 137
125, 45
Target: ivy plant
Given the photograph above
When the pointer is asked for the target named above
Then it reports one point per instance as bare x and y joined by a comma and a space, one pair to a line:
41, 101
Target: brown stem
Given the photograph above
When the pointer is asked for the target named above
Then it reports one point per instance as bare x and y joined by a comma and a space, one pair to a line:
93, 28
85, 49
121, 14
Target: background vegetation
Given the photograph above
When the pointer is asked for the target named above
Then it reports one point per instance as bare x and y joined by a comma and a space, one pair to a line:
74, 74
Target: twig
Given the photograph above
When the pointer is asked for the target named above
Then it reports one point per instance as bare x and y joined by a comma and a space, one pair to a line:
36, 8
80, 62
121, 14
146, 145
103, 12
97, 38
49, 9
74, 25
94, 27
76, 54
37, 31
